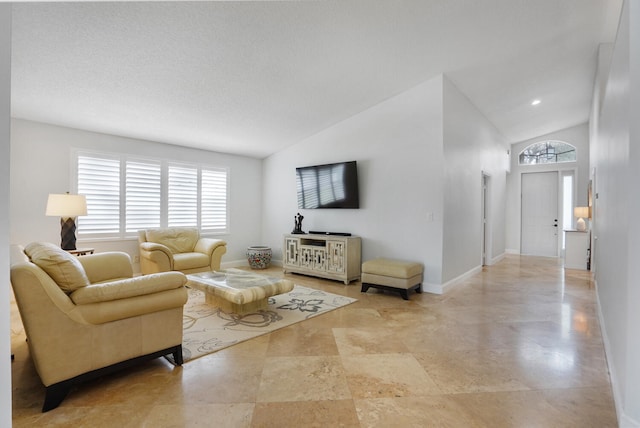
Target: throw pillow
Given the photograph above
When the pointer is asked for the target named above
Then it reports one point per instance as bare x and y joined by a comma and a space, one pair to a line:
62, 267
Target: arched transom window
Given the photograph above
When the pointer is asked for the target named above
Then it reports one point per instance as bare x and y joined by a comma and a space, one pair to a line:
550, 151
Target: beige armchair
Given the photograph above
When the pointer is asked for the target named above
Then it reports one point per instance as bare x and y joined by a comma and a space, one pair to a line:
88, 316
179, 248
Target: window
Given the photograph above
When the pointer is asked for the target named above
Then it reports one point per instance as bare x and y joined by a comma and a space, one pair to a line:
183, 196
142, 195
547, 152
125, 195
567, 203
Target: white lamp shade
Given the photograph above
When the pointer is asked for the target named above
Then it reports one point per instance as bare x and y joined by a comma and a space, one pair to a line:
66, 205
581, 212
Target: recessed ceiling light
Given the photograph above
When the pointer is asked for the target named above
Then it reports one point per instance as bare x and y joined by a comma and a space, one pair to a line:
535, 102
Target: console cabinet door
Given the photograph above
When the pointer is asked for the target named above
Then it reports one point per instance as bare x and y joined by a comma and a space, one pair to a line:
319, 259
291, 251
306, 257
336, 261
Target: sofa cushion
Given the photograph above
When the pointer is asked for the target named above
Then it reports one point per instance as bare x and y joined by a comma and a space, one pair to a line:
62, 267
392, 268
128, 287
186, 261
177, 239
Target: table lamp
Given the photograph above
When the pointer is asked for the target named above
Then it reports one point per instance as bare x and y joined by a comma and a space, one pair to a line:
67, 207
581, 213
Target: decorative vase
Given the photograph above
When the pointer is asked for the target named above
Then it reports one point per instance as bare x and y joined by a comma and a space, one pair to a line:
259, 257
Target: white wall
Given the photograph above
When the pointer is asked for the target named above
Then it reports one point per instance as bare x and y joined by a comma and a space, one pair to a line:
577, 136
420, 157
472, 146
40, 159
616, 161
5, 126
605, 51
398, 147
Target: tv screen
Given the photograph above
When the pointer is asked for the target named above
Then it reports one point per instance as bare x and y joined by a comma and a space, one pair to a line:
328, 186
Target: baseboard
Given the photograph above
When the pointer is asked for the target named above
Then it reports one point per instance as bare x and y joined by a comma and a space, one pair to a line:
426, 287
623, 419
511, 251
432, 288
461, 278
234, 264
497, 258
244, 263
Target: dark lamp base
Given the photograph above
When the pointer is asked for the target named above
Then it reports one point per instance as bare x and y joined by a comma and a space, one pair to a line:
68, 234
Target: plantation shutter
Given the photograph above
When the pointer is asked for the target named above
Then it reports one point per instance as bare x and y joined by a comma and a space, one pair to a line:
182, 196
143, 195
214, 199
125, 195
99, 181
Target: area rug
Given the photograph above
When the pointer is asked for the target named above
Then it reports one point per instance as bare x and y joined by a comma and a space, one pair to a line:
209, 329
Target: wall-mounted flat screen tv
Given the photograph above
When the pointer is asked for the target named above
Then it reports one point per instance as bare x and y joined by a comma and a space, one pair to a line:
328, 186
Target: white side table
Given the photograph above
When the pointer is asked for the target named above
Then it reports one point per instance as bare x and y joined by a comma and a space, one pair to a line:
576, 249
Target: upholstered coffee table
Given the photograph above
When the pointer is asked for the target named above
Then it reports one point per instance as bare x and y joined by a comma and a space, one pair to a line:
238, 291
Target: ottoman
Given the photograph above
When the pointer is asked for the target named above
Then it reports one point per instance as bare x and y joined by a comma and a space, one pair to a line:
393, 275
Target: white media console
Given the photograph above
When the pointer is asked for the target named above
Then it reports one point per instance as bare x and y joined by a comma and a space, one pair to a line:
327, 256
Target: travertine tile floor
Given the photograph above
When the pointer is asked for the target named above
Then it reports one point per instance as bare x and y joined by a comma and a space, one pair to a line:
516, 345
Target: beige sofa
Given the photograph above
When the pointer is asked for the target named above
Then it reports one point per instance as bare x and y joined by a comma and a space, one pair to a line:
180, 249
88, 316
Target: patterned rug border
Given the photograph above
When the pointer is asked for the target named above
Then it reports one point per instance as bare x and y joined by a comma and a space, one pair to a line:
208, 329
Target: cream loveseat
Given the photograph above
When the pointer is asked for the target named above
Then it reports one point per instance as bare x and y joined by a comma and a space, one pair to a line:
88, 316
179, 248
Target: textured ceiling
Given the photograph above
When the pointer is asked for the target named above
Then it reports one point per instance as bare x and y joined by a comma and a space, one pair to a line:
251, 78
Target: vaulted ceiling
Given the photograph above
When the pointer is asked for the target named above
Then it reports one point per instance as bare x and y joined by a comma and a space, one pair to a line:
252, 78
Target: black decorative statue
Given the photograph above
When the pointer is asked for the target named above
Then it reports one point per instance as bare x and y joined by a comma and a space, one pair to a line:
297, 229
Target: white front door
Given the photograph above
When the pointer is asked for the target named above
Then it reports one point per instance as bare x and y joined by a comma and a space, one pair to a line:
539, 235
